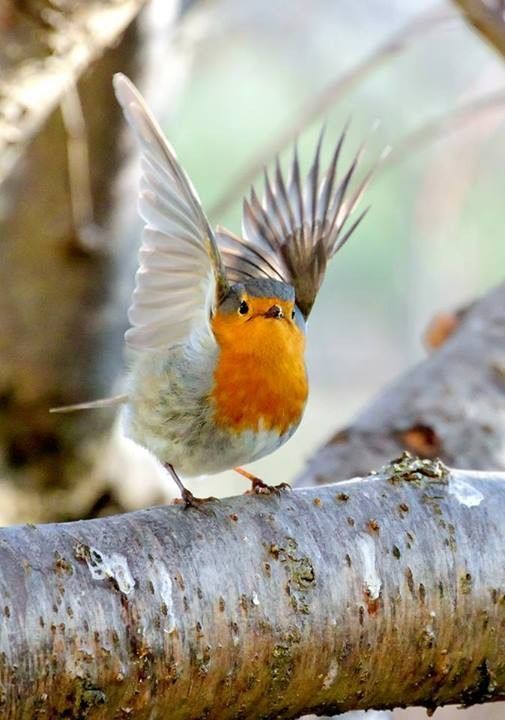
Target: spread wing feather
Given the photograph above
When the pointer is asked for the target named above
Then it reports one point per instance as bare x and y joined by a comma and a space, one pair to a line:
298, 226
181, 274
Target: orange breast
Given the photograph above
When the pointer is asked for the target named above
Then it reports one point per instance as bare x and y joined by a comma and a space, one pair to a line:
260, 381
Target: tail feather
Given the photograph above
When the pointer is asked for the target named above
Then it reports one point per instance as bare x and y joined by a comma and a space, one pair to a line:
92, 404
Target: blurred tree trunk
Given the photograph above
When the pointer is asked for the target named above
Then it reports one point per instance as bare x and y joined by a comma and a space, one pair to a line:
379, 592
63, 253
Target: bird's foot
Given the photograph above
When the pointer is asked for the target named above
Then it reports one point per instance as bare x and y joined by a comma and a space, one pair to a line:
259, 487
189, 500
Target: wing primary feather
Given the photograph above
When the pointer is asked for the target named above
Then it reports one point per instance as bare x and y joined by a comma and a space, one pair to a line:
338, 200
240, 248
283, 194
152, 134
345, 237
251, 264
249, 226
351, 205
261, 227
239, 275
262, 216
344, 211
313, 182
358, 193
272, 205
181, 275
295, 188
330, 179
300, 224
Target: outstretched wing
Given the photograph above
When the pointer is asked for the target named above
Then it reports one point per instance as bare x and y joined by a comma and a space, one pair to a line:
181, 275
298, 226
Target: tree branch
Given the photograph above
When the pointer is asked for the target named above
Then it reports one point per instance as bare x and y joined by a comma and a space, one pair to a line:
488, 18
451, 405
379, 592
33, 88
455, 120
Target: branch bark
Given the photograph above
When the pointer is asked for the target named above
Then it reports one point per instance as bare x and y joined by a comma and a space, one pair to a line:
488, 18
451, 405
380, 592
31, 89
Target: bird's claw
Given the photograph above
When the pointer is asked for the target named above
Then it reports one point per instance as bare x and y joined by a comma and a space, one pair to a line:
190, 501
261, 488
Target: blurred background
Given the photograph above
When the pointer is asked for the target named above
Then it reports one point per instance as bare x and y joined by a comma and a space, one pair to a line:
433, 239
233, 82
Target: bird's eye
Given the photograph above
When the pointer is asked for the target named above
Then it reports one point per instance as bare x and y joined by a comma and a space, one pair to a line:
293, 315
243, 308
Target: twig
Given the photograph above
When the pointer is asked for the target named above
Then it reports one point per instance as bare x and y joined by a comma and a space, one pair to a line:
488, 18
455, 120
81, 199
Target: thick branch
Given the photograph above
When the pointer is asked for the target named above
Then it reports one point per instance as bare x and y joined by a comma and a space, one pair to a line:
451, 405
378, 592
488, 18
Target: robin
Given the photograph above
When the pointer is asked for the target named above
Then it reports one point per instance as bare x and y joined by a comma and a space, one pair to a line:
218, 375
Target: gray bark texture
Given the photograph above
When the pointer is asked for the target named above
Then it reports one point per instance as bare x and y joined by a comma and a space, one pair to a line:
451, 405
379, 592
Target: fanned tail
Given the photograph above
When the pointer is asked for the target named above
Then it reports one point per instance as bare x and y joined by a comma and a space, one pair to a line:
92, 404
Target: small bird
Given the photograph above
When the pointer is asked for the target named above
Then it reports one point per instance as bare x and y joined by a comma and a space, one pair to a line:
218, 375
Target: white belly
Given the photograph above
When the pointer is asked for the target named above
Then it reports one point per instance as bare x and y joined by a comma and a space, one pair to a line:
209, 451
170, 414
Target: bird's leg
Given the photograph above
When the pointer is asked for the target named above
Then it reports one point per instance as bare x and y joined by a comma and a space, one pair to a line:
258, 486
188, 498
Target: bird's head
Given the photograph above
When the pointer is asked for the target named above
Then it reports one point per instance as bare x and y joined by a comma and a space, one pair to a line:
259, 314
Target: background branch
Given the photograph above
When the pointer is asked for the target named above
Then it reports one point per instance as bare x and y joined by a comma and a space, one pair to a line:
453, 121
488, 18
327, 97
319, 600
31, 89
79, 176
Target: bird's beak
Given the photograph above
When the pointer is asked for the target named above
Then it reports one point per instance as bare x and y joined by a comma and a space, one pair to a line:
274, 312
